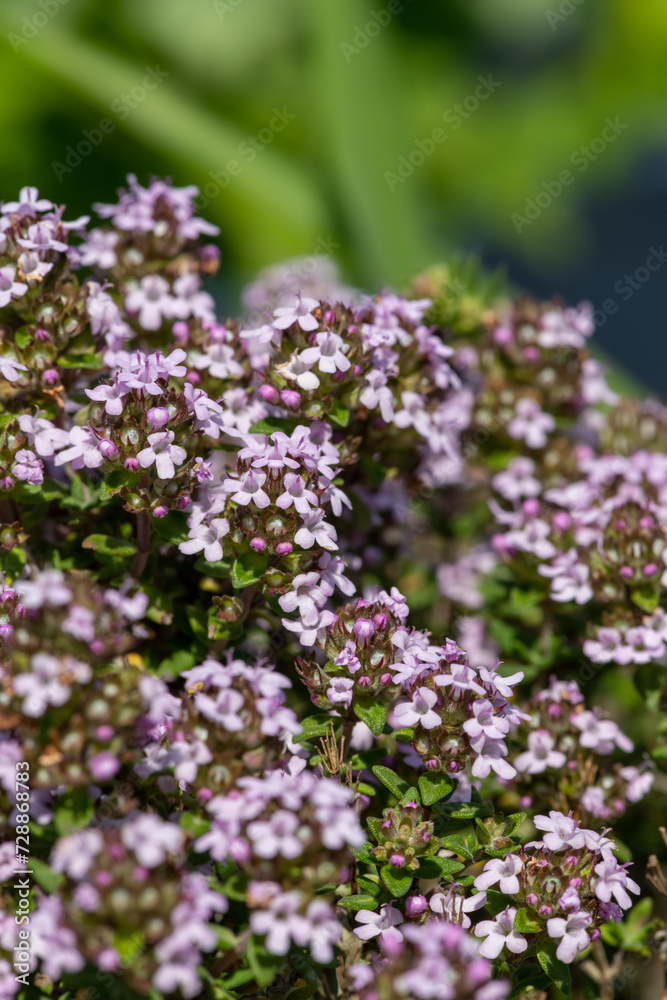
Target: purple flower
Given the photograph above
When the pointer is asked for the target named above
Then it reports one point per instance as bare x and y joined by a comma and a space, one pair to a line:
277, 836
296, 493
328, 354
29, 203
499, 934
41, 237
99, 249
383, 925
572, 931
502, 870
207, 536
530, 424
164, 453
299, 313
599, 734
83, 450
10, 289
28, 468
485, 722
151, 838
418, 711
152, 300
9, 369
310, 634
307, 595
540, 754
104, 766
340, 691
315, 530
281, 923
612, 880
490, 754
248, 489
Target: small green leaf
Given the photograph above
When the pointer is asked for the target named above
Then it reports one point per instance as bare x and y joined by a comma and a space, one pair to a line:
44, 493
367, 885
116, 548
397, 786
92, 361
172, 528
365, 853
45, 877
271, 424
647, 600
129, 944
557, 971
314, 726
339, 413
73, 811
434, 787
435, 867
115, 481
525, 924
458, 845
221, 570
397, 881
497, 901
373, 713
359, 902
175, 664
263, 964
404, 735
412, 795
248, 569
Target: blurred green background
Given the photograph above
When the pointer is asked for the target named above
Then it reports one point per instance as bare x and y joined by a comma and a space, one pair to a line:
307, 111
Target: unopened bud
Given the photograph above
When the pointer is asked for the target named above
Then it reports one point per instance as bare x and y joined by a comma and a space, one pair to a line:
257, 544
160, 511
157, 417
364, 681
414, 905
269, 393
108, 449
284, 548
50, 376
290, 398
131, 464
181, 332
363, 630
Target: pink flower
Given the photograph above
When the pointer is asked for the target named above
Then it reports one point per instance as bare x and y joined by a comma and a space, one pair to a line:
162, 452
530, 424
340, 691
207, 536
502, 870
299, 313
10, 289
383, 925
572, 931
540, 754
248, 489
499, 934
418, 711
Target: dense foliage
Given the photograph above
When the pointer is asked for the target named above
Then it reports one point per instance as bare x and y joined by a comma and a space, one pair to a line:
299, 617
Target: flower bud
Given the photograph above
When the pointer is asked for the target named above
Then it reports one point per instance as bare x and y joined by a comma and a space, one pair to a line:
290, 398
381, 619
650, 569
257, 544
531, 899
397, 861
183, 502
595, 934
284, 548
181, 332
626, 572
50, 376
160, 511
364, 681
531, 507
6, 483
415, 905
131, 464
194, 378
269, 393
42, 335
432, 764
545, 910
108, 449
503, 336
454, 766
157, 417
385, 679
363, 630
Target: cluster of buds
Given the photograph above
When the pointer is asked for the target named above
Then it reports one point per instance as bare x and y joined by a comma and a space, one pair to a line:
125, 888
403, 837
363, 644
231, 720
431, 961
562, 887
68, 699
562, 758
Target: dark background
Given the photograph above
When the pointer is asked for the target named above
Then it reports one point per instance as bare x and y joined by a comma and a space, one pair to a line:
361, 97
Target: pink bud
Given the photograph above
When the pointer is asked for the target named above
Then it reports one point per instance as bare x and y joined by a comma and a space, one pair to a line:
338, 376
626, 572
6, 483
385, 824
108, 449
269, 393
257, 544
364, 681
531, 507
104, 733
397, 861
157, 417
545, 910
183, 502
132, 464
160, 511
414, 905
194, 378
572, 765
50, 376
432, 764
329, 316
595, 934
181, 332
96, 647
356, 370
385, 679
205, 794
650, 569
503, 336
361, 603
620, 524
210, 252
562, 520
363, 630
381, 619
41, 334
525, 802
104, 878
571, 860
290, 398
284, 548
531, 899
646, 522
454, 766
554, 711
140, 874
531, 353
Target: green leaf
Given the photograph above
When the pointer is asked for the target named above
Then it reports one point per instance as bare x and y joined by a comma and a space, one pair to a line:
248, 569
458, 845
373, 713
525, 924
397, 881
647, 600
129, 944
44, 493
434, 787
263, 964
412, 795
339, 413
404, 735
115, 548
221, 570
435, 867
115, 480
365, 853
91, 361
45, 877
497, 901
557, 971
73, 811
172, 528
397, 786
314, 726
367, 885
268, 425
175, 664
359, 902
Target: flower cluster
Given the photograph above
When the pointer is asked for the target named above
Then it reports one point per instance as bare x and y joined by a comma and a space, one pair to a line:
564, 889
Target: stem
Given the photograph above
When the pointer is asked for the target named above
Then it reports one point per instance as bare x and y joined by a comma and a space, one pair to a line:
144, 542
